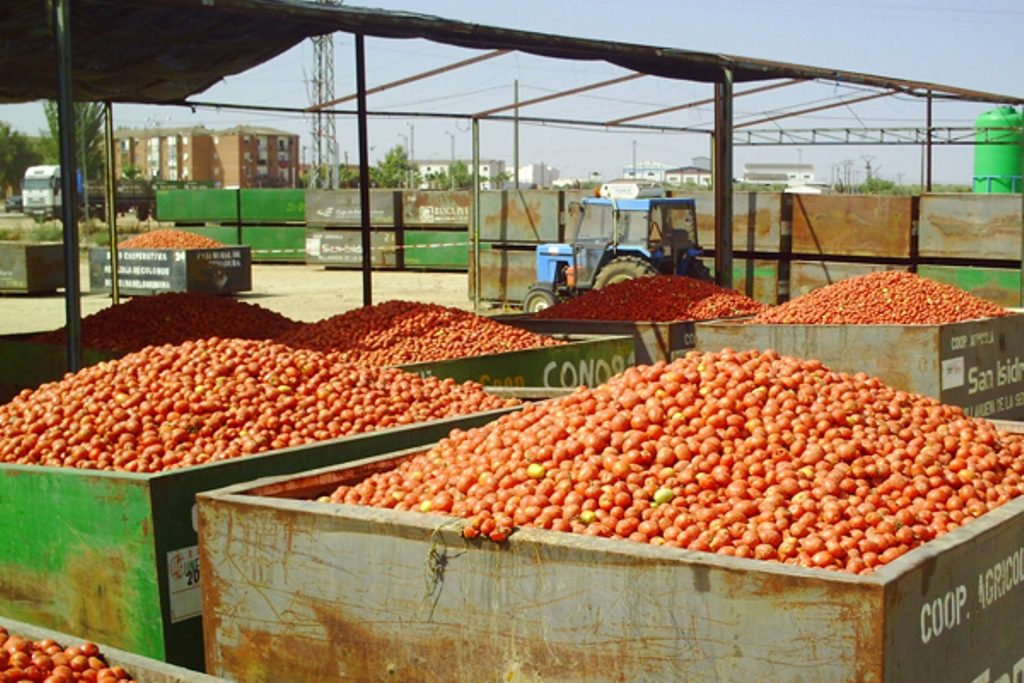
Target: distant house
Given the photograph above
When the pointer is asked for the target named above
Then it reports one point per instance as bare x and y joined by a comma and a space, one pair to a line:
697, 173
648, 170
779, 174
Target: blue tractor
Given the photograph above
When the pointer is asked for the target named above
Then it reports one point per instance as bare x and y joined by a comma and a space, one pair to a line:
614, 240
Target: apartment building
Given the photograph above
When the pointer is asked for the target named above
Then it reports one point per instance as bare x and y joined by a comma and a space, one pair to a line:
243, 156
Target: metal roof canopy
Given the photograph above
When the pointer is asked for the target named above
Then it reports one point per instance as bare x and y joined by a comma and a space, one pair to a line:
192, 44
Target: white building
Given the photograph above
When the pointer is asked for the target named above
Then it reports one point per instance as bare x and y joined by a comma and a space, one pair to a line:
537, 176
773, 174
648, 170
697, 173
489, 168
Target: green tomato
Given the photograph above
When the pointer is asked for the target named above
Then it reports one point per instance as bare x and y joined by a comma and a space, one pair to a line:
587, 516
662, 496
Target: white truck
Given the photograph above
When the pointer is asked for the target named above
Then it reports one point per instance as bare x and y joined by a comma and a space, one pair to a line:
41, 195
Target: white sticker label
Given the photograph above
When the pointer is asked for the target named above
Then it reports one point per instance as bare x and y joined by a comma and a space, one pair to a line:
313, 246
952, 373
183, 583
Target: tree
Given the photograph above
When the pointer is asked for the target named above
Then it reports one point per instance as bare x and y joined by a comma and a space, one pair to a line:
393, 170
89, 118
17, 153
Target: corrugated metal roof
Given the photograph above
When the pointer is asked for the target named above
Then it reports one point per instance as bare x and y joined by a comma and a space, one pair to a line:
163, 51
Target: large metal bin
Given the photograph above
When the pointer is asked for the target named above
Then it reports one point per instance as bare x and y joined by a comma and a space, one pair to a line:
113, 556
331, 208
141, 669
31, 268
344, 248
976, 364
807, 276
972, 226
587, 360
275, 243
436, 249
197, 206
653, 341
142, 272
851, 225
999, 285
26, 365
272, 206
298, 590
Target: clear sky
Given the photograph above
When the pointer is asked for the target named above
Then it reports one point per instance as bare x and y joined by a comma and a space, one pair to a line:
973, 45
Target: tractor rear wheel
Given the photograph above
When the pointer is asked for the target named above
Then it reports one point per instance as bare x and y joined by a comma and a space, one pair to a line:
538, 298
623, 268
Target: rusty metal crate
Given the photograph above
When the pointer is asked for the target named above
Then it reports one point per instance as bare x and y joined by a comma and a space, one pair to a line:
312, 591
975, 364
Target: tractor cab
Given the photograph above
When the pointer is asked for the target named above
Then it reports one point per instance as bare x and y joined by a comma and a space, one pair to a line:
617, 239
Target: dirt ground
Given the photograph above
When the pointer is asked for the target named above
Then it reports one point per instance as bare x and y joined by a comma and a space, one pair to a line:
306, 293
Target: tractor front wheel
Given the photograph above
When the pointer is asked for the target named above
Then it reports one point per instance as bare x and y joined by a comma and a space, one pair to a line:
623, 268
539, 298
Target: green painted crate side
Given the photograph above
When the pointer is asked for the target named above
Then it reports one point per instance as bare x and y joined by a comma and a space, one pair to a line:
273, 205
590, 361
998, 285
166, 526
27, 365
80, 558
422, 249
174, 493
197, 206
225, 234
758, 279
286, 243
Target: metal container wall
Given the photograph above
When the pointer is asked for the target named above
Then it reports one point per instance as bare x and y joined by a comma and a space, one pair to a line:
113, 557
344, 248
976, 364
756, 278
653, 341
27, 365
225, 234
849, 225
340, 208
437, 209
806, 276
971, 226
275, 243
756, 220
531, 216
297, 590
141, 669
223, 270
998, 285
272, 205
436, 249
31, 268
583, 360
506, 274
197, 206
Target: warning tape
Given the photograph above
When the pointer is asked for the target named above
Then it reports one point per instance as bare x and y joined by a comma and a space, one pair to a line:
384, 248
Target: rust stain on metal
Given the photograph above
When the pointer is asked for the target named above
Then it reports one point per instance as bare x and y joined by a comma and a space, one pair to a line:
92, 577
852, 226
506, 275
527, 217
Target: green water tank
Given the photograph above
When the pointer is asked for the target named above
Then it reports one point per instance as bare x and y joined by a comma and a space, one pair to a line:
997, 166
